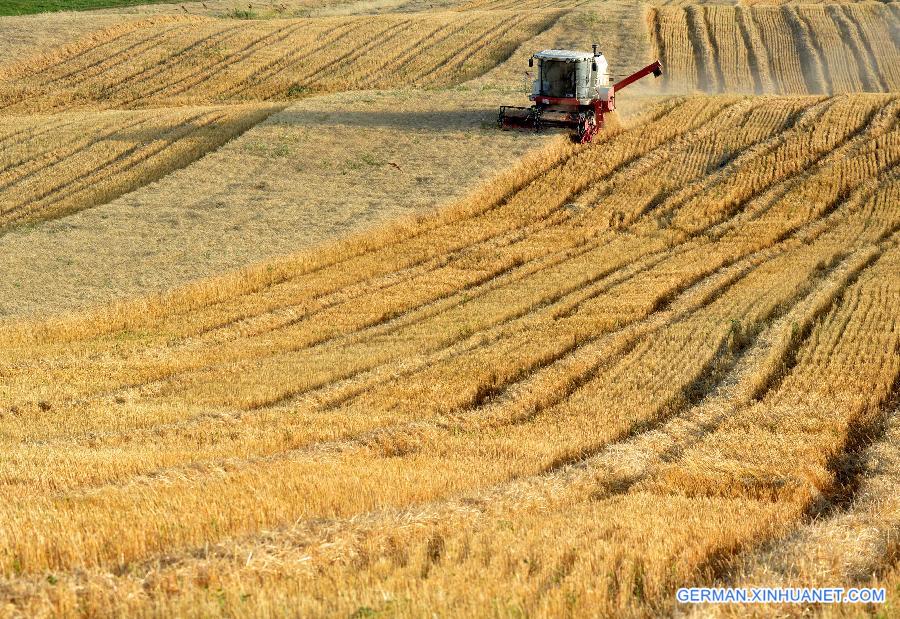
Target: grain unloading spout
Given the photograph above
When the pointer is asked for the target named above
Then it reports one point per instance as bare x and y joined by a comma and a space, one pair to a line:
654, 67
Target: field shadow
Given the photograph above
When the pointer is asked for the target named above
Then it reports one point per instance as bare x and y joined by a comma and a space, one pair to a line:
437, 121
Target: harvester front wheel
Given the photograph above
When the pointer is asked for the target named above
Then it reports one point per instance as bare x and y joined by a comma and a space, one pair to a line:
587, 128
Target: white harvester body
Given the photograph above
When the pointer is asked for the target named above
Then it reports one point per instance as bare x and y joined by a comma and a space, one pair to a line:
555, 77
572, 90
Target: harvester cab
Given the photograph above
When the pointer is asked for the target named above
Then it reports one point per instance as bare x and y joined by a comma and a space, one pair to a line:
572, 90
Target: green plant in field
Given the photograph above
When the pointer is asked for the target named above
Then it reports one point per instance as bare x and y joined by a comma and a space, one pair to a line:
298, 90
241, 14
371, 160
364, 160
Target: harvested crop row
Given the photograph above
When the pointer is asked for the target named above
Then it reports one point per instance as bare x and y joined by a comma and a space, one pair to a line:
203, 61
399, 552
566, 325
787, 49
513, 5
68, 162
579, 265
579, 422
297, 319
842, 545
311, 324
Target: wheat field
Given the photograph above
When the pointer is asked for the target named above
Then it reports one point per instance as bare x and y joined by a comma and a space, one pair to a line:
668, 358
317, 170
793, 48
436, 399
186, 60
54, 165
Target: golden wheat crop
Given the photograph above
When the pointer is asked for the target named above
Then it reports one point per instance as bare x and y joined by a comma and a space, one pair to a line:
618, 370
825, 48
194, 61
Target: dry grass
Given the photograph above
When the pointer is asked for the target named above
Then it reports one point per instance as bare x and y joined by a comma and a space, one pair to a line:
855, 546
669, 358
667, 364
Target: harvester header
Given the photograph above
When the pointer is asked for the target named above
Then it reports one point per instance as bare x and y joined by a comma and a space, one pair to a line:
572, 90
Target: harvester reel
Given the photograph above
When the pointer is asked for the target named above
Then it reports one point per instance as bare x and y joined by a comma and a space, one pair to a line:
519, 118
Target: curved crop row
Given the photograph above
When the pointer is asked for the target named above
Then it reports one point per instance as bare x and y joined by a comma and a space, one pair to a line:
785, 49
205, 61
79, 160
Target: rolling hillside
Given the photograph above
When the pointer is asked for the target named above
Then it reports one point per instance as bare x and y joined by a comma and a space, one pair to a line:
512, 345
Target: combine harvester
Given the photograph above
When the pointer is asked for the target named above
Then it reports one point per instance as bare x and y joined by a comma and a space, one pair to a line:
572, 90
